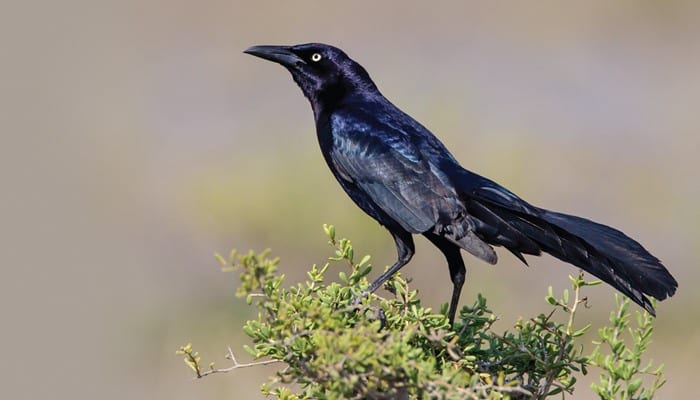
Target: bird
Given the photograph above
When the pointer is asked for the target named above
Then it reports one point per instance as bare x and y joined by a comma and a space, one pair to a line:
403, 176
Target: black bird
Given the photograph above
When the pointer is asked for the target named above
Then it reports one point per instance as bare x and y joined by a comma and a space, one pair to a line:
400, 174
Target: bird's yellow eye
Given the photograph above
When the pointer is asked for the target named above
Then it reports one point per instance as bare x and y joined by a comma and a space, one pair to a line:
316, 57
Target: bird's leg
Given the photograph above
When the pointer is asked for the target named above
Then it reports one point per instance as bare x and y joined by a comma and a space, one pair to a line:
458, 271
405, 249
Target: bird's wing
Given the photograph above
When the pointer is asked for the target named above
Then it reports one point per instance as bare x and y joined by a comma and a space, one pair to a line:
390, 170
399, 167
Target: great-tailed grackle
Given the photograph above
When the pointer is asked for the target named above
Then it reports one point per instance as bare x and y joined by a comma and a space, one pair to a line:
400, 174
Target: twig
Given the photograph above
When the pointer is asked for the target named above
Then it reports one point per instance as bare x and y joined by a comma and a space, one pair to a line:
236, 365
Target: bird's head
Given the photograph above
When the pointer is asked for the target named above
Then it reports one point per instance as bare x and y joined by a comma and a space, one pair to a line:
324, 73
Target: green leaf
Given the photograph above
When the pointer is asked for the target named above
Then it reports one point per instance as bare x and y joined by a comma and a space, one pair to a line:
364, 260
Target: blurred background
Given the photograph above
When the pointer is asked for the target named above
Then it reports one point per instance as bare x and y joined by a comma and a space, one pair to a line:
138, 139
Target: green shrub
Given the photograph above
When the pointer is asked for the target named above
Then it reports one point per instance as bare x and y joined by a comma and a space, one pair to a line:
333, 341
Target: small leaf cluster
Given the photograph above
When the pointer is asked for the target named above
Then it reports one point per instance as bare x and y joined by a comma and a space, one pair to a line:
622, 375
336, 341
191, 358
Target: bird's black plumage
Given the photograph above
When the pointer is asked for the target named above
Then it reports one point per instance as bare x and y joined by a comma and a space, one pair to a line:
400, 174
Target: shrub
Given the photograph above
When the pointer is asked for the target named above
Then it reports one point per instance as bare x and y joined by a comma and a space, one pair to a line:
334, 341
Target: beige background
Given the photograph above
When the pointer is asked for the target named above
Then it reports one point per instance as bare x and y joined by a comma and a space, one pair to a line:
137, 140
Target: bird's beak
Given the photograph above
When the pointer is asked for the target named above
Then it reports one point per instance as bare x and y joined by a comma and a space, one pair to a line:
279, 54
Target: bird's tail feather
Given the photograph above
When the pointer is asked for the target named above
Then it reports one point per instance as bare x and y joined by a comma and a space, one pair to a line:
600, 250
614, 257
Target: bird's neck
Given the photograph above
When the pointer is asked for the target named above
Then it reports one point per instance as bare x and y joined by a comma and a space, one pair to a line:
323, 103
323, 133
327, 102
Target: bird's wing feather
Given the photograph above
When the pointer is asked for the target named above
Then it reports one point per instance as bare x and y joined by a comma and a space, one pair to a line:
392, 172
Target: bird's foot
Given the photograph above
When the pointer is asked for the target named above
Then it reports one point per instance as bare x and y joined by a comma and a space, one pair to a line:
380, 315
357, 300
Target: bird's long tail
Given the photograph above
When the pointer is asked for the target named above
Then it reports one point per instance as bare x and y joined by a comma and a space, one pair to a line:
504, 219
610, 255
